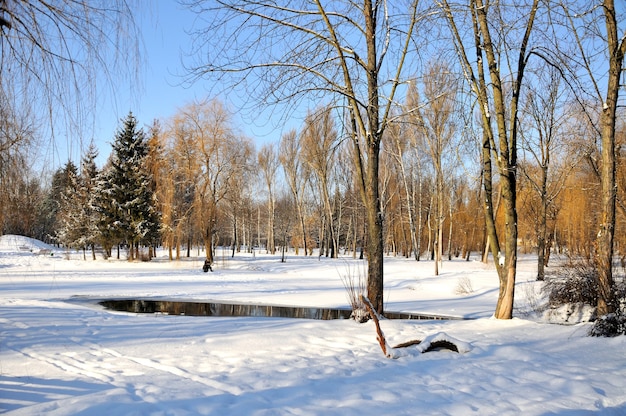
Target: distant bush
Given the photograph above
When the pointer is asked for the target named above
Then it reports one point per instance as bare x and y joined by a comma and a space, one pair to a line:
464, 286
145, 256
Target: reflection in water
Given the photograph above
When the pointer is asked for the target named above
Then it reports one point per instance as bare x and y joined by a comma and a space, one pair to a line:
229, 309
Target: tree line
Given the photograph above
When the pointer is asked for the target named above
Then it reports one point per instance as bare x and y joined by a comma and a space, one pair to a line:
195, 180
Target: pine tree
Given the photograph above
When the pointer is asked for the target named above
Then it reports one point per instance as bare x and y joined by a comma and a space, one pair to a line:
125, 197
53, 201
65, 189
88, 176
105, 210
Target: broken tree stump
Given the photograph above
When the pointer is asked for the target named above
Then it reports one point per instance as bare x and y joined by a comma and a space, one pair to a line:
434, 342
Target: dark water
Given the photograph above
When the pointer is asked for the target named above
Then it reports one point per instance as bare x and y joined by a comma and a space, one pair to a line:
233, 309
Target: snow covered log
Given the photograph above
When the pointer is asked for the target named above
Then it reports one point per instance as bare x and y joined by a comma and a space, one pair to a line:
434, 342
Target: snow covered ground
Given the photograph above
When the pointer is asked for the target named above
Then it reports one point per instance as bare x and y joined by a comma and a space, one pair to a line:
61, 354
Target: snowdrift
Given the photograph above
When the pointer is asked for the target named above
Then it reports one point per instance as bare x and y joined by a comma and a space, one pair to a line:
11, 243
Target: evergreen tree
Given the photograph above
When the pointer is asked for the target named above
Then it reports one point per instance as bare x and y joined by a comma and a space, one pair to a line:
64, 193
88, 177
126, 199
76, 217
105, 210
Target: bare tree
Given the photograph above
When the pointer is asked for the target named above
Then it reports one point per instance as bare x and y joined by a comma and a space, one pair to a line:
352, 207
268, 165
319, 145
221, 154
544, 118
600, 46
56, 50
616, 50
185, 160
496, 27
239, 172
297, 176
352, 53
404, 152
17, 133
434, 117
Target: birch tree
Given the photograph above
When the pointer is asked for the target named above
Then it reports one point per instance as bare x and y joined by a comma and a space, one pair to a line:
403, 151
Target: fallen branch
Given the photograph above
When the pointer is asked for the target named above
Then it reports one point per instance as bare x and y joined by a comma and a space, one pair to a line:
434, 342
442, 344
379, 333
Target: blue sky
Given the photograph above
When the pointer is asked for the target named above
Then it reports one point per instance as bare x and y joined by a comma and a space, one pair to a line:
163, 25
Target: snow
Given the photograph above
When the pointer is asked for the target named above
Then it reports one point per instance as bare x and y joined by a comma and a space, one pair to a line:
62, 354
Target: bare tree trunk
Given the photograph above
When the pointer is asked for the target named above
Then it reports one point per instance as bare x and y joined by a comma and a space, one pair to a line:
542, 231
420, 218
270, 225
502, 141
354, 238
235, 235
439, 228
302, 228
606, 234
289, 156
375, 242
431, 240
208, 244
408, 196
258, 227
450, 216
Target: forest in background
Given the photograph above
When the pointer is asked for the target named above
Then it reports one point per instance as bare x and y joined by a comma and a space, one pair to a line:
212, 186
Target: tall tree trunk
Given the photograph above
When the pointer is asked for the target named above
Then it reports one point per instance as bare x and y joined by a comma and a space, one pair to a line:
420, 218
450, 232
543, 228
503, 141
332, 244
439, 223
271, 244
235, 236
410, 202
606, 234
208, 249
375, 238
504, 307
302, 228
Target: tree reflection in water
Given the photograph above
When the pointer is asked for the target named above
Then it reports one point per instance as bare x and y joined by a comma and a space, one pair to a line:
235, 309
